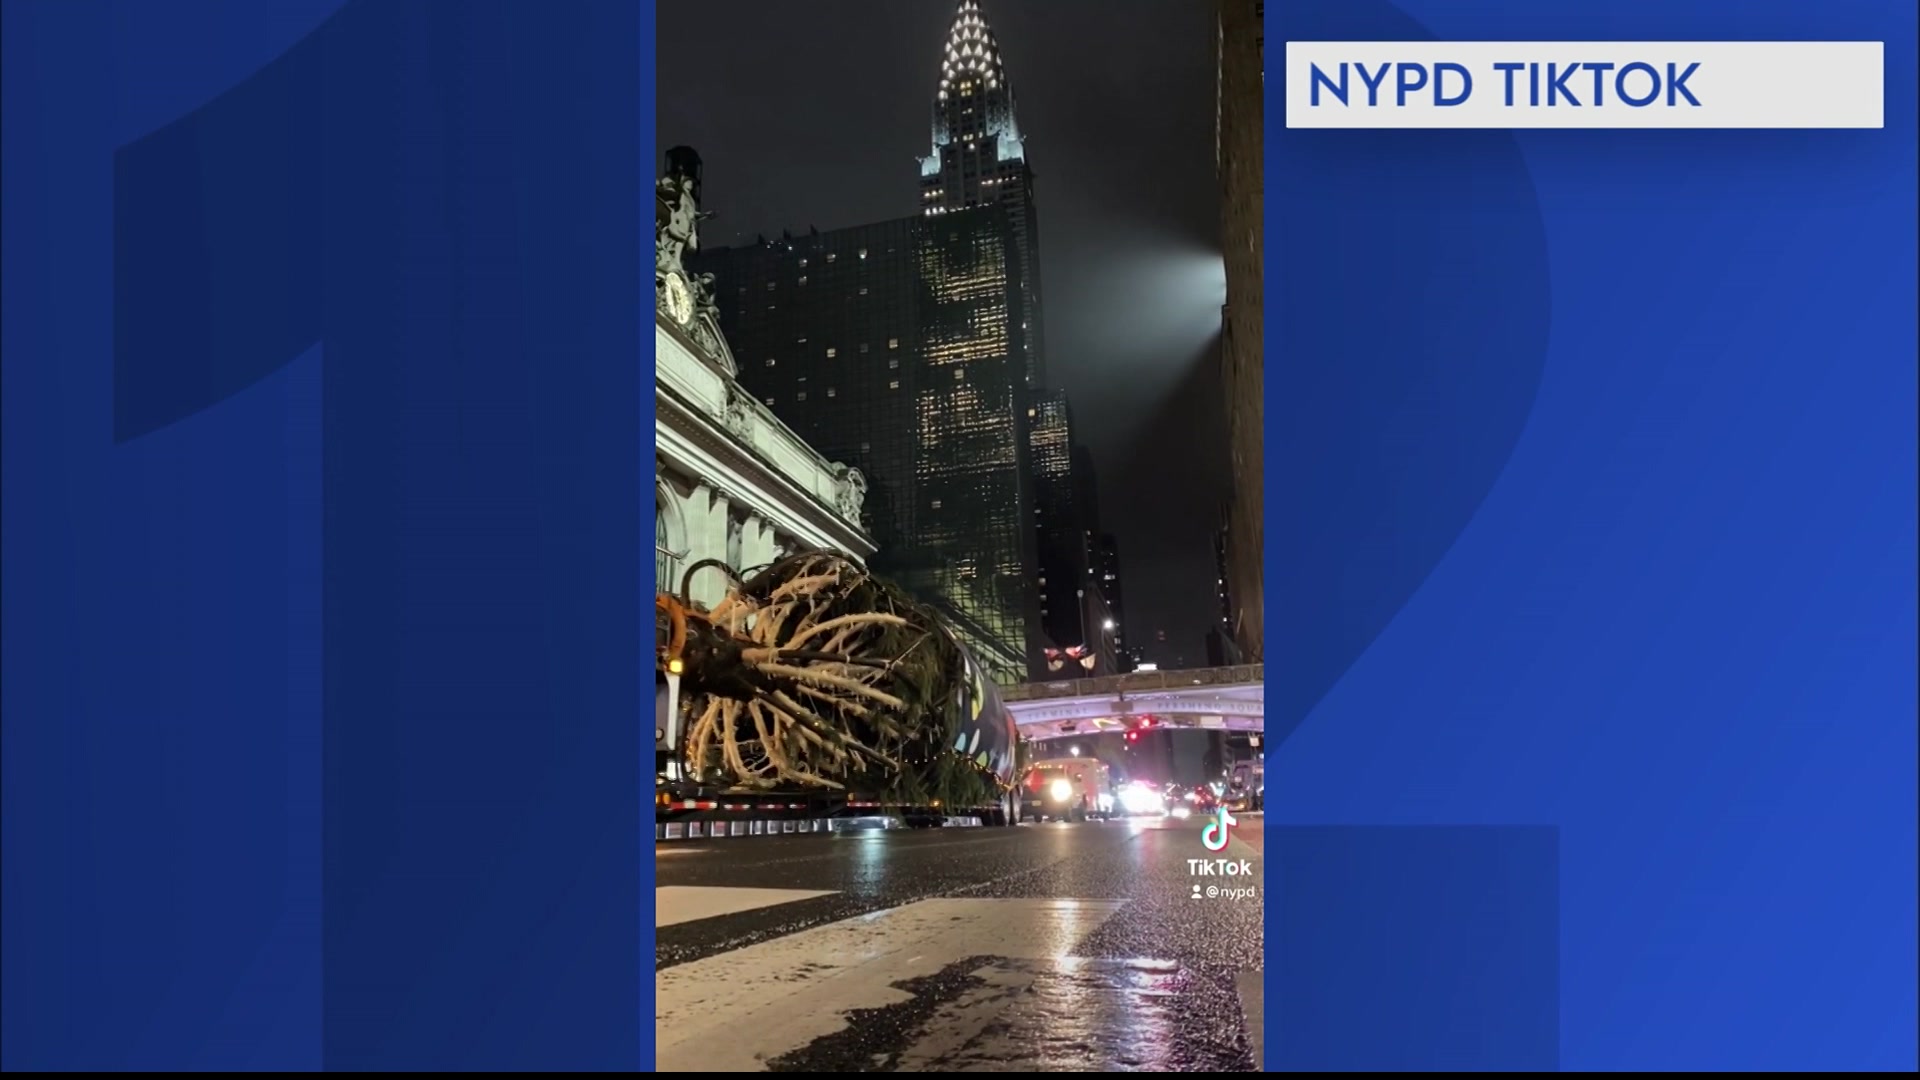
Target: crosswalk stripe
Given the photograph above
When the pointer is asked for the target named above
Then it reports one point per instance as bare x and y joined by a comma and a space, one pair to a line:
675, 904
1251, 987
739, 1010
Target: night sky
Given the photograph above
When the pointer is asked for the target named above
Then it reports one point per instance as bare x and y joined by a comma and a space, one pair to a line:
815, 113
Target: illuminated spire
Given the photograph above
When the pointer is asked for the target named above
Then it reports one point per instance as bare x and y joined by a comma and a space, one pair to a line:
971, 56
973, 113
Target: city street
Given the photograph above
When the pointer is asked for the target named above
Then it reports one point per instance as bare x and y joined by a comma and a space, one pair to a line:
1055, 947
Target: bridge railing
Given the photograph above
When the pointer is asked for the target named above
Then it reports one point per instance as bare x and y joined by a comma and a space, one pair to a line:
1137, 682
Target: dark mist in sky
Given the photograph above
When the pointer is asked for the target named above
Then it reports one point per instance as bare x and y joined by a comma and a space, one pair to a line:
814, 113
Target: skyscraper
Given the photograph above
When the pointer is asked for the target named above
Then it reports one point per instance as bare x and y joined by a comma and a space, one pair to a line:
1241, 161
825, 330
1107, 579
892, 347
974, 539
1222, 647
1223, 596
1061, 539
979, 158
909, 349
1086, 489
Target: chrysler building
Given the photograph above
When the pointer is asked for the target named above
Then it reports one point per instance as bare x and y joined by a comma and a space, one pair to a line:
979, 158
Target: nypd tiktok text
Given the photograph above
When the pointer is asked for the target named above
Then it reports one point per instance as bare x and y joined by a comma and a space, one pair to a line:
1585, 85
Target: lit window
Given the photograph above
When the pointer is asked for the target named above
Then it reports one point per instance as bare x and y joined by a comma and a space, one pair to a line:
893, 384
831, 256
832, 352
769, 361
959, 373
893, 365
831, 392
893, 343
863, 290
803, 279
769, 286
936, 504
769, 401
863, 347
863, 253
802, 396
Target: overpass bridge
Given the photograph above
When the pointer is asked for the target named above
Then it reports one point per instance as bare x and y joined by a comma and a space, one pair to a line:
1220, 699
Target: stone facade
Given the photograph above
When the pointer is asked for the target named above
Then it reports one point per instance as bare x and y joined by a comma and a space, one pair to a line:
1241, 122
731, 482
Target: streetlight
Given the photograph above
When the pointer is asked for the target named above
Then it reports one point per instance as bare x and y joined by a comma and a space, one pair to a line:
1075, 751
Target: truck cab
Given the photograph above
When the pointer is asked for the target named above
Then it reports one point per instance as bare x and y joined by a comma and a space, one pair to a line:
1066, 789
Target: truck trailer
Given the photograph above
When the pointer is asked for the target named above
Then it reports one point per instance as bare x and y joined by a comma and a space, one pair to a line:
814, 691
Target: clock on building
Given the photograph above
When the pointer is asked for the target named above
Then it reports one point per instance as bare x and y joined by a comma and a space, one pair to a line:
679, 299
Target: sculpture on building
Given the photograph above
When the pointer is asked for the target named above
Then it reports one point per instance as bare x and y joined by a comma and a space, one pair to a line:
686, 300
849, 490
739, 414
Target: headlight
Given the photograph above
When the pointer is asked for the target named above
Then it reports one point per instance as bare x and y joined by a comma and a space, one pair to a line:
1061, 790
1139, 800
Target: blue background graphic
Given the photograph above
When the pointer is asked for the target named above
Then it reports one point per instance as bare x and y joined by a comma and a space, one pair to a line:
323, 427
1592, 586
1592, 474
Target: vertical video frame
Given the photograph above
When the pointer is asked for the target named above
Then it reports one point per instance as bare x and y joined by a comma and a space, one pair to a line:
957, 536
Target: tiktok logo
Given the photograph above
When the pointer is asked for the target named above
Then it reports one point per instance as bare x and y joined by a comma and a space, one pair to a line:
1218, 831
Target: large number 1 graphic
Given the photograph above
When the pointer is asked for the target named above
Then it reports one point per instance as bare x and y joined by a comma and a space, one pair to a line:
444, 196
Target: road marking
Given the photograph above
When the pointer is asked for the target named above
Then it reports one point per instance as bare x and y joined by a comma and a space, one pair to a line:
737, 1011
675, 904
1252, 988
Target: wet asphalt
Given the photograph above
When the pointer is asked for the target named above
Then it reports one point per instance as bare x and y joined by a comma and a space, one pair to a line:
1152, 988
